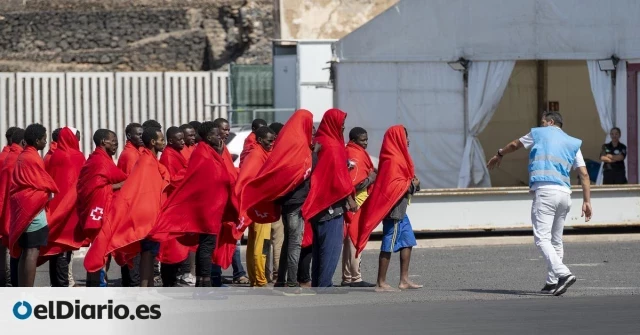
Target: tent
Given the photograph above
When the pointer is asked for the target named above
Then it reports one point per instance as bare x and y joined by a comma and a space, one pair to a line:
394, 69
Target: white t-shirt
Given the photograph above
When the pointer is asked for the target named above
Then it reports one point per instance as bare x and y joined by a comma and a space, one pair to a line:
527, 142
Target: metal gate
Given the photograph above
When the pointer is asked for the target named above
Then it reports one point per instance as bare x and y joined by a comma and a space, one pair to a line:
92, 100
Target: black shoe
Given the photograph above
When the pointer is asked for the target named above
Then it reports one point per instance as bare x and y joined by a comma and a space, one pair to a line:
362, 284
564, 283
548, 288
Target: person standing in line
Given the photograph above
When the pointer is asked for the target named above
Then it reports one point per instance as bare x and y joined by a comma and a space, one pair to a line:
552, 155
8, 264
172, 253
363, 175
189, 140
277, 233
259, 233
330, 197
396, 182
99, 179
280, 188
126, 161
64, 167
53, 146
613, 155
196, 222
251, 141
31, 190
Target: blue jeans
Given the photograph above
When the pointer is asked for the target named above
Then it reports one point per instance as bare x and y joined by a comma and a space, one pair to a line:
236, 263
327, 246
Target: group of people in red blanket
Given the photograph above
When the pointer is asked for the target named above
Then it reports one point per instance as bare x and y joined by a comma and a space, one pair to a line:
140, 211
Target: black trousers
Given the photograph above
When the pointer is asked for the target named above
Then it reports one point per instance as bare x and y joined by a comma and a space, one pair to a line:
203, 255
304, 267
169, 274
131, 277
59, 270
614, 177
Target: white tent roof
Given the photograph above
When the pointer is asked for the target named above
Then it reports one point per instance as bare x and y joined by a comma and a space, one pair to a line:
445, 30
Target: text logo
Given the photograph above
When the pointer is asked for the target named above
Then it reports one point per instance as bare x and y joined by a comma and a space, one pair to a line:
26, 308
64, 310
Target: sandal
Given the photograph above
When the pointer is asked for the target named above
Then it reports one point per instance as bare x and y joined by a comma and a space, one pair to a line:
242, 281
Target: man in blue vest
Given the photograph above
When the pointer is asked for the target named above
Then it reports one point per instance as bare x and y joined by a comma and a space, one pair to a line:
553, 154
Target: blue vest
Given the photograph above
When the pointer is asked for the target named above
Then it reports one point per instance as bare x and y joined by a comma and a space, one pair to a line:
552, 156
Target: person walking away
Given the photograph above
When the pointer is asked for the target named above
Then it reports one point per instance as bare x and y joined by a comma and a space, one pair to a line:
552, 155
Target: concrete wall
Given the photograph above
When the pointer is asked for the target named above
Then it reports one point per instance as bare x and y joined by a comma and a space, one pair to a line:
327, 19
140, 35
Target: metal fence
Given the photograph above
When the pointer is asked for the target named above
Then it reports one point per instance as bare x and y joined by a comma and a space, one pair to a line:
90, 101
251, 89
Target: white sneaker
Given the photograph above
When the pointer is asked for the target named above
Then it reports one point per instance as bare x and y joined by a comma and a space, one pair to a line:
188, 279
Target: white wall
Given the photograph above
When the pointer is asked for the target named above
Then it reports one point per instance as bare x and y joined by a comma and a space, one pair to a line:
427, 98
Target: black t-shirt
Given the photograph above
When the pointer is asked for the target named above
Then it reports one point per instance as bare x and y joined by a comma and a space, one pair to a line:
609, 149
299, 194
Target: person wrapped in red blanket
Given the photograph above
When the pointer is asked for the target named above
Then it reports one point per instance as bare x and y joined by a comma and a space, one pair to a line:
64, 233
53, 146
7, 148
6, 174
173, 253
330, 196
189, 140
251, 141
388, 201
259, 232
31, 190
98, 180
281, 186
199, 222
134, 213
227, 251
363, 175
132, 148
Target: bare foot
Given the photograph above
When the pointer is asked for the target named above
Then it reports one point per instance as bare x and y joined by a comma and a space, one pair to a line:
409, 285
384, 287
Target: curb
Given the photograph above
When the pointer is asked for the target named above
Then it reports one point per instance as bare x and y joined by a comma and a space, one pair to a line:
482, 241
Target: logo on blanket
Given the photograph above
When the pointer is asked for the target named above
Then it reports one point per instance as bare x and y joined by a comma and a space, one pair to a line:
96, 213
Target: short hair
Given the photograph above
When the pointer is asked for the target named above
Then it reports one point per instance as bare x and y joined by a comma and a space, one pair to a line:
149, 134
195, 125
131, 127
172, 131
101, 135
553, 116
205, 128
187, 126
618, 129
356, 132
263, 131
219, 121
17, 136
257, 123
276, 127
151, 124
33, 133
8, 135
55, 134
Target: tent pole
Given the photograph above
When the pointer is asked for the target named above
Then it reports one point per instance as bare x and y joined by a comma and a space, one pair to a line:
465, 79
613, 98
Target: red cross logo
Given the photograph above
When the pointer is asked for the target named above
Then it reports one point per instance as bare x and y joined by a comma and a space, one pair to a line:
262, 215
96, 213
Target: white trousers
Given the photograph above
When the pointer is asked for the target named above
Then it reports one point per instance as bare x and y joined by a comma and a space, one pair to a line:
548, 213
